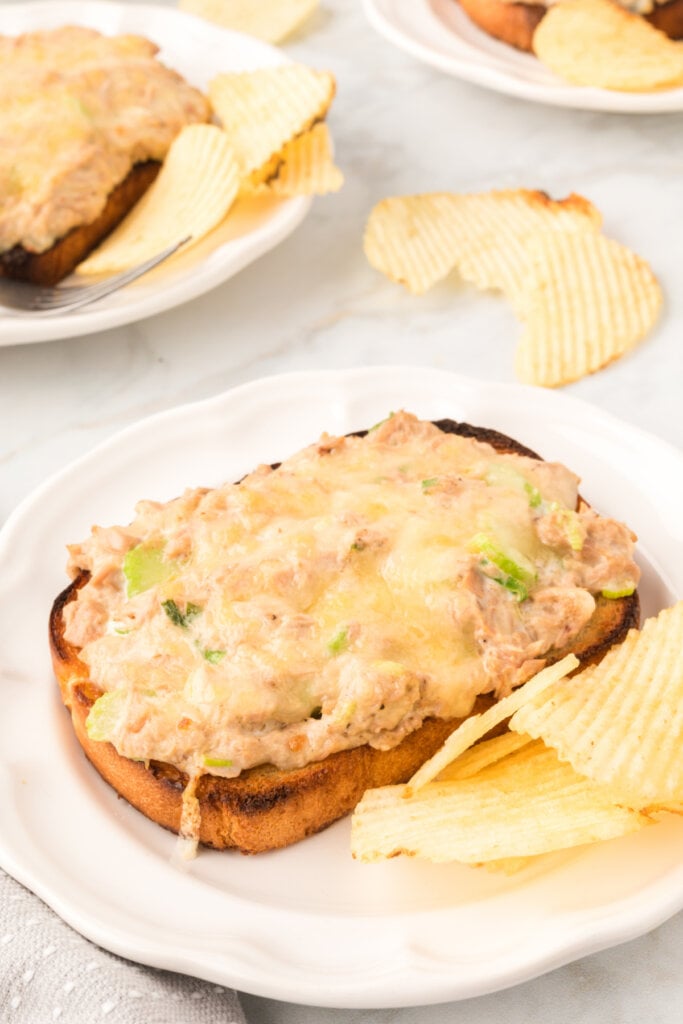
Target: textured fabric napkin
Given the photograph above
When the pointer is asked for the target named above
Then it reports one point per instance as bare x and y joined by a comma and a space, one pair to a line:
48, 973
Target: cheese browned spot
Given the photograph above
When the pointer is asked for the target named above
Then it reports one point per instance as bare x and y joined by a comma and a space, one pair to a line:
339, 600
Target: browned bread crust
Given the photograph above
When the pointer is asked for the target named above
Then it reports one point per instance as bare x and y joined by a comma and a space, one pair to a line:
515, 23
266, 808
668, 18
56, 263
512, 23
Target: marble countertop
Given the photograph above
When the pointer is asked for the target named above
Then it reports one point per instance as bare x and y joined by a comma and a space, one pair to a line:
314, 303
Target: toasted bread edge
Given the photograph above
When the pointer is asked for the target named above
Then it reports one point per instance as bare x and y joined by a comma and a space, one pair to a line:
52, 266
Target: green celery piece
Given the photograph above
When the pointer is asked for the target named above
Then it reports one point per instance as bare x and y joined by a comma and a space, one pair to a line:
144, 567
217, 762
432, 481
570, 523
339, 642
485, 546
105, 714
573, 532
612, 595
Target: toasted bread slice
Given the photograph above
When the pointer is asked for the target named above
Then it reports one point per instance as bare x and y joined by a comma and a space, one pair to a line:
515, 23
266, 808
61, 259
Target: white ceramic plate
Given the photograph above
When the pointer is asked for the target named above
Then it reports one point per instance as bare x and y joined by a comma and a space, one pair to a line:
308, 924
198, 50
439, 33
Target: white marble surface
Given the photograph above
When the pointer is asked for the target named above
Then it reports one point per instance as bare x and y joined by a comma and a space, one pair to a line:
314, 303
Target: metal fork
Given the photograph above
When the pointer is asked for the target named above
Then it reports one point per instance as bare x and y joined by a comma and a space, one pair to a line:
38, 301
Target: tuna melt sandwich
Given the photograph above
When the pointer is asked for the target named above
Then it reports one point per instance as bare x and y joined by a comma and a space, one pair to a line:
242, 663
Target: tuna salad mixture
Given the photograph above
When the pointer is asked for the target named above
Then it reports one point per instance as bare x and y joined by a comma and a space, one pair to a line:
364, 585
77, 111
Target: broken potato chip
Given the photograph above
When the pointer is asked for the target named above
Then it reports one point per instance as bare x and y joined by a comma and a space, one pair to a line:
263, 110
270, 20
419, 240
192, 194
600, 43
305, 166
584, 300
594, 300
522, 805
481, 755
498, 228
415, 240
477, 726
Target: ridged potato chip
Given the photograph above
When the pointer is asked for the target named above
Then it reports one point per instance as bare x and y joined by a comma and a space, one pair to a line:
592, 300
599, 43
620, 722
476, 726
498, 227
270, 20
193, 192
262, 110
526, 804
304, 167
584, 300
415, 240
482, 754
419, 240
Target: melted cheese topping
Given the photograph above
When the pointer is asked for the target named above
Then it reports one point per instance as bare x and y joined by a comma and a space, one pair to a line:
341, 599
77, 111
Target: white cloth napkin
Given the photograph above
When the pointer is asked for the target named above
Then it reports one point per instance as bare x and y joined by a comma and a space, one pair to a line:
49, 973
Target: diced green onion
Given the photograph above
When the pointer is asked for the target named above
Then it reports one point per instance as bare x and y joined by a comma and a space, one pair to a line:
178, 618
213, 657
516, 587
